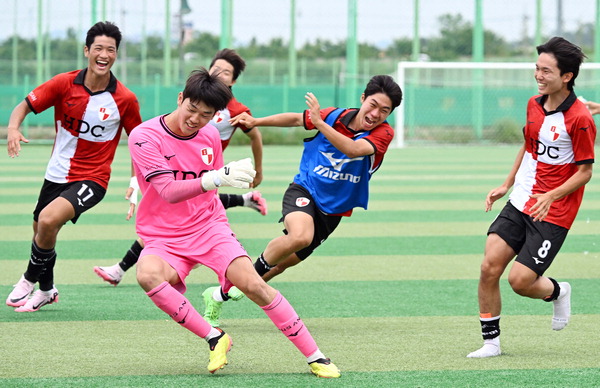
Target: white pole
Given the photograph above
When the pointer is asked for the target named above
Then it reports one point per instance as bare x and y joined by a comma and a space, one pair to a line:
399, 130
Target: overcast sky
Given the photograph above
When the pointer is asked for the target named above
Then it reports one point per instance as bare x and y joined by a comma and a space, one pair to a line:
379, 21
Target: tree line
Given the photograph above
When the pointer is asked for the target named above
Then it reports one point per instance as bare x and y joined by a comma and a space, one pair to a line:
453, 43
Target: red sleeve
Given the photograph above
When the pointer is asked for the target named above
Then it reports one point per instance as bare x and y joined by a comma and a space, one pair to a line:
235, 108
583, 134
308, 125
381, 137
48, 94
130, 115
583, 142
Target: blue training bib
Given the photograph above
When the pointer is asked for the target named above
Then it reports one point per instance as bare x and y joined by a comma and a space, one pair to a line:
337, 183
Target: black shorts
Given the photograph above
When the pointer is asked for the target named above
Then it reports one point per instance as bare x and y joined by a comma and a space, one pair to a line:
536, 243
83, 195
298, 199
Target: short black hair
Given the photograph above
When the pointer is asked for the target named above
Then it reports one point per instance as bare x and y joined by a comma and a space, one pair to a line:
103, 28
386, 85
202, 86
569, 57
233, 58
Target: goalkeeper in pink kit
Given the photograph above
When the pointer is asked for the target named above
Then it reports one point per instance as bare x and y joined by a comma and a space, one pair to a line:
179, 164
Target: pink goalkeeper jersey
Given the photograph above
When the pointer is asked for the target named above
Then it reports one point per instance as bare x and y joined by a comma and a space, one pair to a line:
157, 150
556, 143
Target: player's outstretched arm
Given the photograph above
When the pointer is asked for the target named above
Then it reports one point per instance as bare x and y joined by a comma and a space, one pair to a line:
14, 136
288, 119
594, 107
237, 174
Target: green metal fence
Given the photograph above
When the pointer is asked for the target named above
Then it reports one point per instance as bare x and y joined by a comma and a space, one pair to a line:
443, 103
264, 86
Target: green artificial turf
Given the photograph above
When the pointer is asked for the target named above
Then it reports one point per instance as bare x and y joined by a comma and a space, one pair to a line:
391, 296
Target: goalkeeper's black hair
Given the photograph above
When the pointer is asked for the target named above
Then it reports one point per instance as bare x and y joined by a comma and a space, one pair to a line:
209, 89
569, 57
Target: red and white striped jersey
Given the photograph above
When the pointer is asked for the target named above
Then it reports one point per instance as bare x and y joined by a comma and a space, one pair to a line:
221, 120
88, 125
555, 144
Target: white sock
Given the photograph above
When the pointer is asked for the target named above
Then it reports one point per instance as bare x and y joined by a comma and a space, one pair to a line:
119, 269
212, 334
217, 295
490, 348
493, 341
315, 356
247, 198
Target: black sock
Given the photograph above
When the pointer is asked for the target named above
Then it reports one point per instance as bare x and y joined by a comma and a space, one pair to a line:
231, 200
47, 277
131, 257
490, 329
213, 341
555, 292
261, 266
41, 267
224, 295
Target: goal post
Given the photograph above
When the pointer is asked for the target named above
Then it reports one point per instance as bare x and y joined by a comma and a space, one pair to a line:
471, 102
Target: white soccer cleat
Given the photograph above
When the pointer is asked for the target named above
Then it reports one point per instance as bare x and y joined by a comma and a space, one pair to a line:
562, 307
20, 293
113, 274
490, 348
38, 300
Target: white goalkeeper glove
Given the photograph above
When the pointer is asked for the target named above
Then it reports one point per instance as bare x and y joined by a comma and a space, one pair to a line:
238, 174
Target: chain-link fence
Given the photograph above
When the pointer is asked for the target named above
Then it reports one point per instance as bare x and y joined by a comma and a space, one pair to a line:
444, 103
472, 103
265, 86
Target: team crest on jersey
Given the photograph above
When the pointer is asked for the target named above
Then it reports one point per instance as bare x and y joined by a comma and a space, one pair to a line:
218, 117
302, 201
207, 155
104, 113
555, 135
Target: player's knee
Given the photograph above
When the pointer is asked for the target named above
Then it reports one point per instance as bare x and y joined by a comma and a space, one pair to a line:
144, 280
47, 225
148, 278
490, 271
300, 241
519, 284
256, 289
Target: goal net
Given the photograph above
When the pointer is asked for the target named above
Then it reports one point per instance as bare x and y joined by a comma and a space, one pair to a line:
471, 103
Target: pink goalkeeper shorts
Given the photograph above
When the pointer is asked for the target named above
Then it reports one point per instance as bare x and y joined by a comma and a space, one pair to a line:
215, 248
